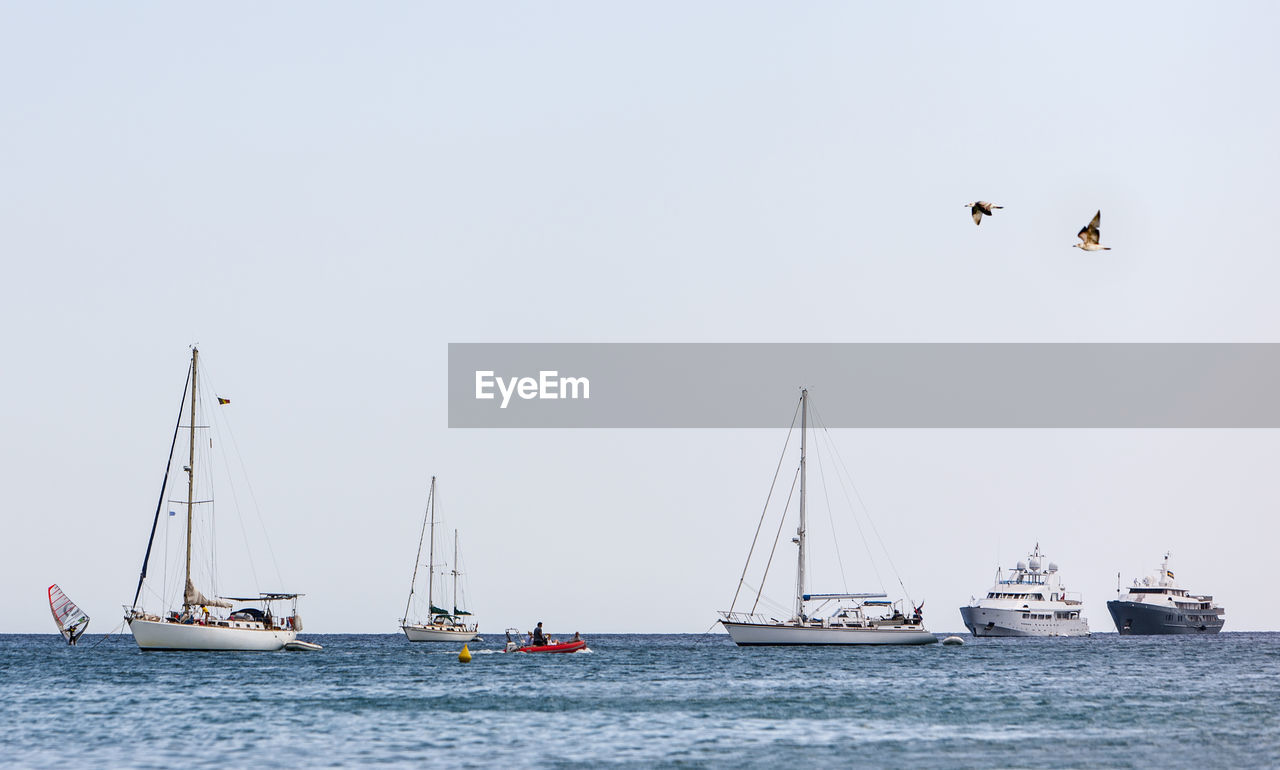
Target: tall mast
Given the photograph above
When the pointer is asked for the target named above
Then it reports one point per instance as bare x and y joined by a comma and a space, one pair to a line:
431, 552
804, 420
418, 556
455, 570
191, 470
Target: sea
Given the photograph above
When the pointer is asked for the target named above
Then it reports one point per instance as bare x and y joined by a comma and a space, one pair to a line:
646, 701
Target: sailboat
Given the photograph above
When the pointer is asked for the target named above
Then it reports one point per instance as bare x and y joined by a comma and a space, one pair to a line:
197, 623
72, 621
857, 618
441, 625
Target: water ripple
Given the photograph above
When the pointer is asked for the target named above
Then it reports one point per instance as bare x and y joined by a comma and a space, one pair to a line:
646, 700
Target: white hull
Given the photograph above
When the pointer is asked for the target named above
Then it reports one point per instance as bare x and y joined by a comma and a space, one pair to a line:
160, 635
987, 621
418, 633
301, 646
760, 634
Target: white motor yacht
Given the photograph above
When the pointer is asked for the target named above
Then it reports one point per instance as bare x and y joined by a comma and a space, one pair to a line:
1028, 600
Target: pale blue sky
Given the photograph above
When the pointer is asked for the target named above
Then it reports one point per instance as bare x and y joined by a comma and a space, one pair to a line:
325, 195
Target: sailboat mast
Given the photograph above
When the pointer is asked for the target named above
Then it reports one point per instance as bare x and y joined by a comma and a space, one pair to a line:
800, 531
431, 551
417, 557
455, 570
191, 470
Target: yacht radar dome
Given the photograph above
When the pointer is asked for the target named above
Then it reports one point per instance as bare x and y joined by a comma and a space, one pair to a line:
1053, 567
1035, 564
1022, 566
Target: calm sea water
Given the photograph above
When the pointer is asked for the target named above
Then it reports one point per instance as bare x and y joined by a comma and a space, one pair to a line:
647, 700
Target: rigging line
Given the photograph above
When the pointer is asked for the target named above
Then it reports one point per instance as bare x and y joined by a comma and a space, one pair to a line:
160, 597
217, 422
168, 464
200, 543
202, 529
781, 520
164, 574
253, 497
212, 516
862, 535
435, 568
887, 557
109, 635
767, 498
413, 583
835, 540
220, 426
703, 637
771, 604
459, 572
866, 542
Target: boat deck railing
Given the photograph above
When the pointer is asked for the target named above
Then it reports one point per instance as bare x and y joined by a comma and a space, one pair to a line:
747, 617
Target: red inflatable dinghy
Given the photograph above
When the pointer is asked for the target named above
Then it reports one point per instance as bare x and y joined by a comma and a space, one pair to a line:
562, 647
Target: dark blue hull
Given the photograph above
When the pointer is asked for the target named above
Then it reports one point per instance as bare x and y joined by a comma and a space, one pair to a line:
1137, 618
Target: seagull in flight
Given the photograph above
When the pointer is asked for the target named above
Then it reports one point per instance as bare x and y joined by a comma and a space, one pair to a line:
979, 208
1089, 235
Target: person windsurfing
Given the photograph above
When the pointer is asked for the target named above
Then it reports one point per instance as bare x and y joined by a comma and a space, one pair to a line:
71, 620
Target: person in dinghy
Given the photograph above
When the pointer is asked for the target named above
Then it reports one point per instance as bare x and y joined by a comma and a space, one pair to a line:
538, 641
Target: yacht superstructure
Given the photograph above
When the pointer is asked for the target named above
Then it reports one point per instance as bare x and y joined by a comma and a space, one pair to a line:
1029, 600
1157, 605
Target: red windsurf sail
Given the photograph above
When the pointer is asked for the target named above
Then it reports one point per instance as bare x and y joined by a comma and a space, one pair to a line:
72, 621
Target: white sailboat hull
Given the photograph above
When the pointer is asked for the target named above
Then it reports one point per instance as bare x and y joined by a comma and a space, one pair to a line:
419, 633
160, 635
766, 634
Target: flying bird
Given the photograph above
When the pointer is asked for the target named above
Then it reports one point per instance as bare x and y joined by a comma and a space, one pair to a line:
979, 208
1089, 235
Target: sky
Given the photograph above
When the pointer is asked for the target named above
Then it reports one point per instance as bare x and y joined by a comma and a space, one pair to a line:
323, 196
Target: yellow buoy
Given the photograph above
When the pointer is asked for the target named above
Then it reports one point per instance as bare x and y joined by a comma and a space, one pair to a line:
465, 655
